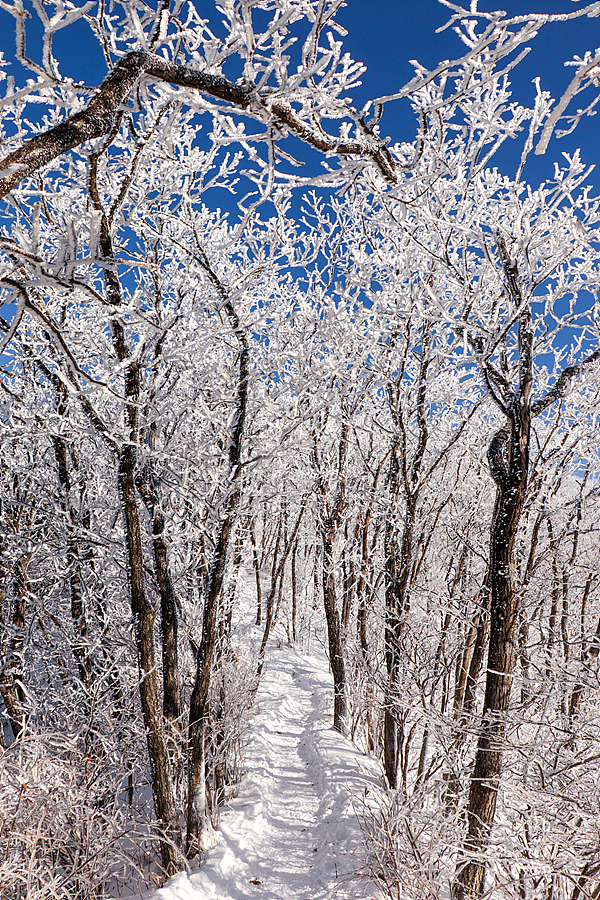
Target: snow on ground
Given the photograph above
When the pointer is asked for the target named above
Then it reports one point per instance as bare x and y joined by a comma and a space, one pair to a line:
290, 832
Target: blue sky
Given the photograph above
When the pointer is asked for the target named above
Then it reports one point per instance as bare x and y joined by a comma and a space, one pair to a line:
385, 35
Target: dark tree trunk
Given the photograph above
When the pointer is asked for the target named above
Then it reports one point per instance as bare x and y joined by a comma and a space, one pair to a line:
294, 592
349, 576
334, 636
11, 680
269, 606
277, 579
501, 664
81, 649
143, 620
399, 556
508, 458
196, 811
467, 705
397, 571
256, 565
146, 484
142, 611
329, 521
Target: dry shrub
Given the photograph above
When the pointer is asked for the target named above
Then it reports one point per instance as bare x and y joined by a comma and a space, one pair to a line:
408, 845
66, 829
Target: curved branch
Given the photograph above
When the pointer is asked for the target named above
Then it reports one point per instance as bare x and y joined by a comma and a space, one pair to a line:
327, 144
101, 114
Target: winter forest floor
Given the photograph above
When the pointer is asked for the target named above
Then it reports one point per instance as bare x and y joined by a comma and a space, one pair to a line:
290, 832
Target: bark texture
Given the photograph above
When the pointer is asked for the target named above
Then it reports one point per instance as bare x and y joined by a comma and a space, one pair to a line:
329, 521
334, 635
403, 479
11, 677
143, 620
81, 648
146, 484
508, 458
100, 117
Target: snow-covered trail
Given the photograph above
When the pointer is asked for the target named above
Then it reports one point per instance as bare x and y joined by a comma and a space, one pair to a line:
289, 833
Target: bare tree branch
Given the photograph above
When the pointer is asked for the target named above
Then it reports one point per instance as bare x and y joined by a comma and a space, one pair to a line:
101, 114
562, 383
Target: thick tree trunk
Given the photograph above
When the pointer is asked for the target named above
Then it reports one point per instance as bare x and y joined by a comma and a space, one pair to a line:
508, 458
142, 611
511, 477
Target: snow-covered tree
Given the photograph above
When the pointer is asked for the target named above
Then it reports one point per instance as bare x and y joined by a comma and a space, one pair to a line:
171, 368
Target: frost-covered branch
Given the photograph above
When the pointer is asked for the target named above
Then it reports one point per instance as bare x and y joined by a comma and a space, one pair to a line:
99, 117
562, 383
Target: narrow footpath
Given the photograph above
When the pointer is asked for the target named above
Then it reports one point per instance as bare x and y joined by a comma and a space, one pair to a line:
290, 832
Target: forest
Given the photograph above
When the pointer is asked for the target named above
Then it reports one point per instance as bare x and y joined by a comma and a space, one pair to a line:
263, 367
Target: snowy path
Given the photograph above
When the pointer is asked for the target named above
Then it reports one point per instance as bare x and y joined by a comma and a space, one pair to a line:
289, 832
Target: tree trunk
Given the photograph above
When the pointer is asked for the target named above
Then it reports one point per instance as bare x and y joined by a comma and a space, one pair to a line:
398, 560
397, 570
148, 489
508, 458
142, 611
196, 811
294, 592
329, 521
270, 599
334, 636
467, 708
588, 654
81, 649
143, 620
256, 565
277, 578
511, 479
11, 680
